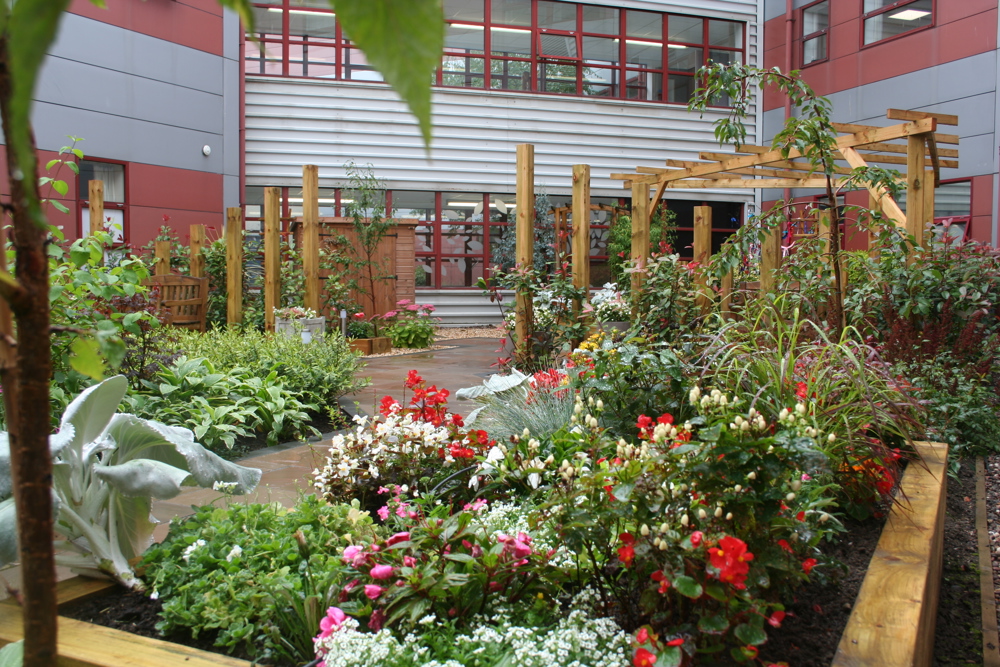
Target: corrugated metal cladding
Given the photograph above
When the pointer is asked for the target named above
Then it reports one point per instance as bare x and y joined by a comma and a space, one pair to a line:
291, 122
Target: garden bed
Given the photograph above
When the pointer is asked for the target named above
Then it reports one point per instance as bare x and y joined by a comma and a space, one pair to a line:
818, 617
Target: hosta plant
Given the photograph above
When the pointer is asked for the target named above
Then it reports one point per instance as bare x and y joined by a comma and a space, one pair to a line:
107, 469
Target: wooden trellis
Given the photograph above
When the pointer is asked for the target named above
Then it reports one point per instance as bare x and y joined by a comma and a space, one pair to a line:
753, 167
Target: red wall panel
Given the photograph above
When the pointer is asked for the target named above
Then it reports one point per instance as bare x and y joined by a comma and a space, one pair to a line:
193, 23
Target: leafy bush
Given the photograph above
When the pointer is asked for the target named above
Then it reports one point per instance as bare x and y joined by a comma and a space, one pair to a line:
316, 373
410, 325
541, 403
222, 407
256, 578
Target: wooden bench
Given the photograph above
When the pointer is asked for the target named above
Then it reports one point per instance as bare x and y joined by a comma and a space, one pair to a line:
184, 298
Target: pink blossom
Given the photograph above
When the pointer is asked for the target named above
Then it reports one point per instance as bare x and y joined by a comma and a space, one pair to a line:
373, 591
398, 537
475, 505
383, 512
409, 561
391, 314
354, 555
402, 302
376, 620
401, 510
331, 622
381, 572
413, 307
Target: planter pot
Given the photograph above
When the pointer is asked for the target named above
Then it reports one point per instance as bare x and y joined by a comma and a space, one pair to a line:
367, 346
614, 326
307, 328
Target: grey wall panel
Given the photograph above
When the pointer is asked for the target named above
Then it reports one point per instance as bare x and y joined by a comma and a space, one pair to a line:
103, 45
231, 195
74, 84
230, 143
127, 139
230, 35
291, 123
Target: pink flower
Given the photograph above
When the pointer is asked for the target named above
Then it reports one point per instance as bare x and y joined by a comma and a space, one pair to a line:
475, 505
373, 591
354, 555
391, 314
413, 307
398, 537
383, 512
334, 617
409, 561
381, 572
376, 620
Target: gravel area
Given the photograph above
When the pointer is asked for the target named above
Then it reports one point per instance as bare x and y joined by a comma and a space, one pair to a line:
448, 334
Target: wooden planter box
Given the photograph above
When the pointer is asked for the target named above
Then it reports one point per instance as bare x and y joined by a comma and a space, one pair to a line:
367, 346
308, 328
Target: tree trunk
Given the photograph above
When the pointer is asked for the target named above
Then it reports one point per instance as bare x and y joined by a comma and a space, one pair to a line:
26, 395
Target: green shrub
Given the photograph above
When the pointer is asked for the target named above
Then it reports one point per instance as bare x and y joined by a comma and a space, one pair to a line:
221, 407
319, 372
410, 325
259, 577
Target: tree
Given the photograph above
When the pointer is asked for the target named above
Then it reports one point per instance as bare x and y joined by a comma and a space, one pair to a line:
403, 40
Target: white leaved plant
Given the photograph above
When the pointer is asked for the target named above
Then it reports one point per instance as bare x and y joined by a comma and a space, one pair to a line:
107, 469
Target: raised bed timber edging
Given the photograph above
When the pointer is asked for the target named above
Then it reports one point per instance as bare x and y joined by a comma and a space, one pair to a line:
87, 645
892, 624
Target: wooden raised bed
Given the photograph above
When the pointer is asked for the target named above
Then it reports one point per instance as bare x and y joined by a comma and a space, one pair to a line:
87, 645
893, 621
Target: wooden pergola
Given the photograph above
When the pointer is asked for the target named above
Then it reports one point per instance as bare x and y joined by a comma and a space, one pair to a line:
911, 146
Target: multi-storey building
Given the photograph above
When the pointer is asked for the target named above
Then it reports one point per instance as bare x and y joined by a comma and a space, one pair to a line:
929, 55
153, 89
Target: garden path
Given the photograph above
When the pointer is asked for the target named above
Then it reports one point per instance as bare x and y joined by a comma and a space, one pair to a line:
287, 468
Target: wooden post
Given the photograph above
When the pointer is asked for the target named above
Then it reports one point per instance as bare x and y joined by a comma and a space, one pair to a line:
581, 228
727, 295
234, 265
929, 185
95, 202
310, 236
162, 266
770, 258
525, 241
640, 237
915, 217
197, 250
703, 250
272, 255
873, 250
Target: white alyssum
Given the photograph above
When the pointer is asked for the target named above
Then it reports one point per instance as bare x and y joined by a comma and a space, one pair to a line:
191, 548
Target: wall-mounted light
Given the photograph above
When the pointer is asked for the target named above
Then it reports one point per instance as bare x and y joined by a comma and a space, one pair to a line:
206, 150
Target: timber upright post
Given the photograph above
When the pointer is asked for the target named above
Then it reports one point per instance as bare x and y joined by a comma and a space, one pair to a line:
915, 184
95, 202
770, 258
234, 265
525, 242
703, 250
197, 249
640, 238
310, 235
162, 265
581, 229
272, 254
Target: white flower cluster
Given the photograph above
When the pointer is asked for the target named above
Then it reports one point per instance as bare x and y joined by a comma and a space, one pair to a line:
191, 548
358, 455
576, 641
609, 306
502, 518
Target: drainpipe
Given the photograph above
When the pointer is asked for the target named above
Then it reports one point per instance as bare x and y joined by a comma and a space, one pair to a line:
789, 48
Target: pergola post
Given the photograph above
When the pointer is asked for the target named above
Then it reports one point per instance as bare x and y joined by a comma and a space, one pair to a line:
916, 219
272, 254
525, 241
770, 258
197, 256
640, 237
234, 265
310, 236
581, 228
95, 204
703, 250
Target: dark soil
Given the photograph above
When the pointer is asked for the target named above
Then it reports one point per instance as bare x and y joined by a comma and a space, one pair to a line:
321, 422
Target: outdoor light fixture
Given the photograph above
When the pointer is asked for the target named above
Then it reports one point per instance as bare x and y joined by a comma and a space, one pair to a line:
206, 150
909, 15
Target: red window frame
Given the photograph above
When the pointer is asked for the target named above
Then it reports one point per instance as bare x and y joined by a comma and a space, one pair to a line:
84, 203
899, 4
816, 34
617, 76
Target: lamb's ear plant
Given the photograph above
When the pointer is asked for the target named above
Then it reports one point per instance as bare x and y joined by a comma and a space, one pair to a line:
107, 469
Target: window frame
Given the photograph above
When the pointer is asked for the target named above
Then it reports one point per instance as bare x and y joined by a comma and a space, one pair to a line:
898, 4
83, 203
825, 32
647, 82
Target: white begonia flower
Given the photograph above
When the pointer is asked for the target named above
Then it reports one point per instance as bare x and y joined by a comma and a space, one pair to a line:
191, 549
235, 552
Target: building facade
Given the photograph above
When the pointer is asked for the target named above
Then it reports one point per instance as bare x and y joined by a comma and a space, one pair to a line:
928, 55
603, 83
153, 90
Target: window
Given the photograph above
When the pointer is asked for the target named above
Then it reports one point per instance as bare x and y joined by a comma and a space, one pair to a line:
560, 48
112, 174
815, 26
888, 18
952, 209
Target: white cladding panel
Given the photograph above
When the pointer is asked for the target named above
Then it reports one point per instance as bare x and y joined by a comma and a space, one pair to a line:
292, 122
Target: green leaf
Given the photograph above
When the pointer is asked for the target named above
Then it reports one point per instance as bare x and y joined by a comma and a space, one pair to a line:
750, 634
12, 655
688, 587
669, 657
87, 358
714, 625
61, 187
404, 42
